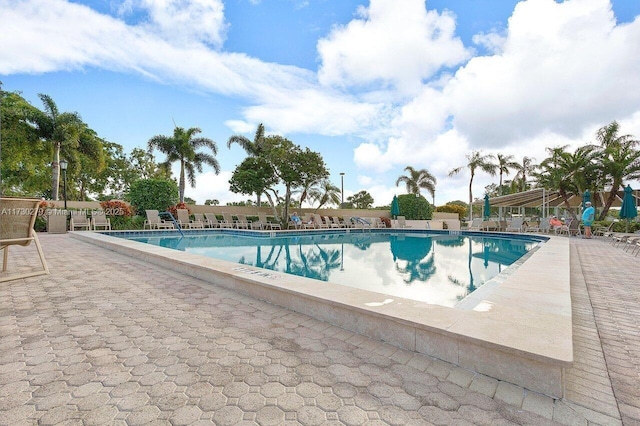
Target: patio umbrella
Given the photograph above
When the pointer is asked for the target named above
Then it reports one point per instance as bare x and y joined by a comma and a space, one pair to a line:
487, 207
395, 207
628, 210
586, 197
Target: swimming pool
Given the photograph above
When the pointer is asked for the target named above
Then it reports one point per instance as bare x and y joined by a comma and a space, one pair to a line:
438, 269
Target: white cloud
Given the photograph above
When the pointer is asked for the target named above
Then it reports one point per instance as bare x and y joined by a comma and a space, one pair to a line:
210, 186
182, 20
392, 43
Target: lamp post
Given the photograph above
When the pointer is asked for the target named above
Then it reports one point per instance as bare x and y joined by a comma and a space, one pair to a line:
341, 190
63, 167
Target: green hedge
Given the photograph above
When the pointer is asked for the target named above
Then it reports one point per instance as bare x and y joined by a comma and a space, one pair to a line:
153, 194
415, 208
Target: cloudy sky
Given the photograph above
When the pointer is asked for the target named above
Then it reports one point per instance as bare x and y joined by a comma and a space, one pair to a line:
374, 86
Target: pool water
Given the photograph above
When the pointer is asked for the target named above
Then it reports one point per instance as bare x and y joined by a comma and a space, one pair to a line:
438, 269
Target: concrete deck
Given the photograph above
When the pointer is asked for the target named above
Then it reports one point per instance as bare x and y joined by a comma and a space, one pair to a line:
106, 339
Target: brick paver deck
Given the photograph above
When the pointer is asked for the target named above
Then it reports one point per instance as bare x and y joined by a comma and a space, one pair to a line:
109, 340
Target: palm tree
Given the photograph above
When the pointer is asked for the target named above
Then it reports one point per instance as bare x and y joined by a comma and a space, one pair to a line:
60, 129
524, 170
476, 161
418, 179
558, 172
253, 148
619, 160
326, 193
182, 147
505, 165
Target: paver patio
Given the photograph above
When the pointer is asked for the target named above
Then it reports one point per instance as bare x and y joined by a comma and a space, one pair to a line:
106, 339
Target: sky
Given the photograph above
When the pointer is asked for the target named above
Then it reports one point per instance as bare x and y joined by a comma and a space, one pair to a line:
373, 86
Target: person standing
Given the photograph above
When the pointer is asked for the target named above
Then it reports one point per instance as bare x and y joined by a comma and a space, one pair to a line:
588, 215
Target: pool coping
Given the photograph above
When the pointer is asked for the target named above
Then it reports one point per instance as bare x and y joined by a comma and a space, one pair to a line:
519, 332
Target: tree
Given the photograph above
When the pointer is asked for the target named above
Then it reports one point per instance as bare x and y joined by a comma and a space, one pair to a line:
524, 170
153, 194
59, 129
505, 164
253, 148
213, 202
619, 160
253, 176
476, 161
182, 147
418, 179
361, 200
326, 193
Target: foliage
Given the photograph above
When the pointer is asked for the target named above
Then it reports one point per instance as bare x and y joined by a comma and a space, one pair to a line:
360, 200
213, 202
418, 179
189, 200
253, 176
116, 208
183, 147
453, 208
475, 161
121, 223
415, 208
325, 193
386, 221
179, 206
153, 194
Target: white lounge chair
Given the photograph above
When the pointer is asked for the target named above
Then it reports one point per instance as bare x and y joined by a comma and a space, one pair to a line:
215, 223
265, 224
516, 225
186, 222
17, 218
154, 222
402, 222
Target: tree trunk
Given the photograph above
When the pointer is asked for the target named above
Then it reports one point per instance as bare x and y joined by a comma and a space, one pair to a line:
55, 171
610, 199
565, 200
182, 183
470, 198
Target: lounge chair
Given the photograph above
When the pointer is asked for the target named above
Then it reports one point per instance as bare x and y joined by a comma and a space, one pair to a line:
199, 218
329, 222
602, 231
402, 223
377, 223
154, 222
317, 219
516, 225
228, 218
79, 220
359, 222
242, 222
17, 218
215, 223
265, 222
475, 224
336, 221
100, 220
574, 228
186, 222
543, 226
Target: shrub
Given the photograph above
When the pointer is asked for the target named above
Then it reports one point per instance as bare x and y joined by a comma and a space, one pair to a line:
453, 208
415, 208
174, 209
386, 221
116, 208
153, 194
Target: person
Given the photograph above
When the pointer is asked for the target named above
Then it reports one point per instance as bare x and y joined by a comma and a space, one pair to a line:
587, 218
296, 219
555, 223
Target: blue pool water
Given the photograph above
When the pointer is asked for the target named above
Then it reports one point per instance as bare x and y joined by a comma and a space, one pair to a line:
440, 269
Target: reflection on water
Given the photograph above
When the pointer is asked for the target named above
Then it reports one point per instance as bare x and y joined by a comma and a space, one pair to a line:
439, 269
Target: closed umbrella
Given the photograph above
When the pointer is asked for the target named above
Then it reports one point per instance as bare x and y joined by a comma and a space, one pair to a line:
395, 207
628, 210
487, 207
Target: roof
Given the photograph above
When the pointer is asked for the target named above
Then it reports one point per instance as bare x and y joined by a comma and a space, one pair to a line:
538, 196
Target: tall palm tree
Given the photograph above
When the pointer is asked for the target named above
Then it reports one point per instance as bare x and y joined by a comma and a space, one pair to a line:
619, 160
59, 128
182, 147
253, 148
326, 193
524, 170
476, 161
505, 164
418, 179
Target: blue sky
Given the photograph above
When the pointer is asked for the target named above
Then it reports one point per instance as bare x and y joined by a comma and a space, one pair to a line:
373, 86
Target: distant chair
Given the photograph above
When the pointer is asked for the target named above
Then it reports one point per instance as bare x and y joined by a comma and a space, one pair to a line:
154, 222
475, 224
574, 228
228, 218
516, 224
336, 221
402, 223
242, 222
265, 222
329, 222
215, 223
100, 220
186, 222
320, 223
17, 218
80, 220
378, 223
543, 226
359, 222
199, 217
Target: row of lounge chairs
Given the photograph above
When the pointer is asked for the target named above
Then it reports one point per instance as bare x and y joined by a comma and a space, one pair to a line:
627, 240
80, 221
207, 220
316, 221
518, 224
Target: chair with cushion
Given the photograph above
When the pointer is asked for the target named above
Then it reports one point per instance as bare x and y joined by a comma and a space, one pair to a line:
17, 217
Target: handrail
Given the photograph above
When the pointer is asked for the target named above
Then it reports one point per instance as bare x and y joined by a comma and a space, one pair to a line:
173, 219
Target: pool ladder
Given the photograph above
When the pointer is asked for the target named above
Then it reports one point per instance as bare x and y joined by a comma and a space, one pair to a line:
173, 219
